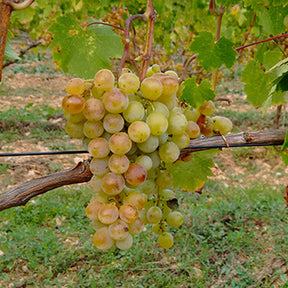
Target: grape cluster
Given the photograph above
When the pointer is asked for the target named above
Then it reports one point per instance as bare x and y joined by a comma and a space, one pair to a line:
133, 130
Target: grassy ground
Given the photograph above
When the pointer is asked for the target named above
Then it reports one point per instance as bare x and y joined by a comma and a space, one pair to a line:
235, 233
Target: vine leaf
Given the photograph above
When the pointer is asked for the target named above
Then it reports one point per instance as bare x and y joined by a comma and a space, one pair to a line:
191, 175
82, 51
284, 149
10, 54
257, 83
213, 55
195, 94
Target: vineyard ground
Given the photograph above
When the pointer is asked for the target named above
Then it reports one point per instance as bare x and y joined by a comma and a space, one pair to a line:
235, 233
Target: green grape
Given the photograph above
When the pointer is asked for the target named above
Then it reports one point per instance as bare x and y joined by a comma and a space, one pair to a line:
102, 239
156, 68
207, 108
149, 72
193, 130
145, 161
120, 143
96, 92
150, 145
73, 104
165, 240
115, 100
75, 118
170, 102
169, 152
104, 80
93, 208
151, 88
93, 129
182, 140
163, 138
94, 109
171, 73
167, 194
159, 228
155, 159
113, 123
135, 174
128, 213
174, 219
100, 195
191, 114
154, 215
285, 21
118, 230
177, 123
134, 112
157, 123
113, 184
129, 83
99, 167
136, 227
108, 214
98, 147
75, 86
136, 198
118, 164
164, 179
97, 225
95, 184
222, 124
74, 130
158, 107
125, 244
148, 187
139, 131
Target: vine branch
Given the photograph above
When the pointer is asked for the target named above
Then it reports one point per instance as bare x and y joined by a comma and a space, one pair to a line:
21, 194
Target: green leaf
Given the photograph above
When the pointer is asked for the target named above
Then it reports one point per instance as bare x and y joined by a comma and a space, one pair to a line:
213, 55
9, 53
257, 83
191, 175
82, 52
284, 153
270, 58
195, 94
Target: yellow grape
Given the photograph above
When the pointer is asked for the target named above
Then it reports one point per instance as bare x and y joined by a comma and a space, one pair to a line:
104, 80
73, 104
75, 86
102, 239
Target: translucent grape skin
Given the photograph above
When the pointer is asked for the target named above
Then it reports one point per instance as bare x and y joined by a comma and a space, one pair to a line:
165, 240
174, 219
94, 109
129, 83
98, 147
93, 129
118, 230
170, 84
135, 174
104, 80
207, 108
99, 167
139, 131
74, 130
113, 123
177, 123
136, 198
93, 208
118, 164
134, 112
73, 104
75, 86
150, 145
157, 123
113, 184
169, 152
136, 227
222, 125
125, 244
154, 214
115, 100
193, 130
120, 143
128, 213
151, 88
108, 214
102, 239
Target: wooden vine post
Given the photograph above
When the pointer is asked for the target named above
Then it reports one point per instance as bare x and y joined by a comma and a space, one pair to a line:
21, 194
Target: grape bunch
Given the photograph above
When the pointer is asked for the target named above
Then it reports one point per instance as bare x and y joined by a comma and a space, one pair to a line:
133, 131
